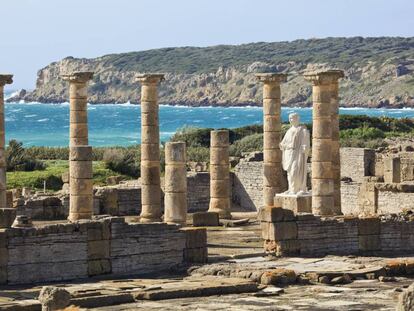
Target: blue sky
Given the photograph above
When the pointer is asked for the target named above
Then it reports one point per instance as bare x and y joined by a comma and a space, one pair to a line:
34, 33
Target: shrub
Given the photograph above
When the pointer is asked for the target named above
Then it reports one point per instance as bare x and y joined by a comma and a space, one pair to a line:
247, 144
198, 154
122, 161
17, 158
365, 133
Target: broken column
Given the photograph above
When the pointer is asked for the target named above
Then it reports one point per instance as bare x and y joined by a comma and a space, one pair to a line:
219, 174
323, 149
150, 149
80, 154
7, 215
175, 190
272, 155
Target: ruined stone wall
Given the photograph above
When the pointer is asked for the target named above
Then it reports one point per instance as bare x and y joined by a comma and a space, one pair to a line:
394, 198
248, 185
198, 191
309, 235
357, 163
407, 166
350, 198
78, 250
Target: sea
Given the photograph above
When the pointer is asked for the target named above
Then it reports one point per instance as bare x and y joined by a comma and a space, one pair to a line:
37, 124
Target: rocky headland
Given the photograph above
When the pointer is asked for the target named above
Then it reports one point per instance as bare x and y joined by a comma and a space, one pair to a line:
379, 73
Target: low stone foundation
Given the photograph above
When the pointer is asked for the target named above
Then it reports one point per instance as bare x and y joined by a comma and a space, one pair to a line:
286, 234
79, 250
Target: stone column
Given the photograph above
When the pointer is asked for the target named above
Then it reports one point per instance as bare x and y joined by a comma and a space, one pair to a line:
150, 149
219, 174
80, 154
322, 143
4, 79
272, 155
7, 215
336, 162
175, 190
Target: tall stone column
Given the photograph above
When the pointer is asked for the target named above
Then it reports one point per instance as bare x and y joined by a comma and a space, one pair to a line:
7, 215
219, 174
272, 155
150, 149
323, 202
4, 79
80, 154
175, 190
336, 162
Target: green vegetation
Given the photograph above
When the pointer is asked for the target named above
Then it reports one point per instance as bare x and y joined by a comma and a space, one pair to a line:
355, 131
342, 52
17, 159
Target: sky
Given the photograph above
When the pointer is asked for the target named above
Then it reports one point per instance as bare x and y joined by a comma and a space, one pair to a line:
34, 33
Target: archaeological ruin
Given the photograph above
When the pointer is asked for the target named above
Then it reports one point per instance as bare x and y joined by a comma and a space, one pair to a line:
352, 202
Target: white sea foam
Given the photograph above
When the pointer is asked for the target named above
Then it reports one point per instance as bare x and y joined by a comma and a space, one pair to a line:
43, 120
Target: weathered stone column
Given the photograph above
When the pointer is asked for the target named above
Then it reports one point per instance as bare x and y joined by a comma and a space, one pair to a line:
322, 145
336, 162
150, 149
4, 79
272, 155
175, 190
7, 215
219, 174
80, 154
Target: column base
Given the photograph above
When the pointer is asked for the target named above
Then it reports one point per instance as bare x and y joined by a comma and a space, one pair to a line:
146, 220
298, 203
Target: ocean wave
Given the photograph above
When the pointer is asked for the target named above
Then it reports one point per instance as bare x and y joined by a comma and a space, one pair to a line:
43, 120
30, 116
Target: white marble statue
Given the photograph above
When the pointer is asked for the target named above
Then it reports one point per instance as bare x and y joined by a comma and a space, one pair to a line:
295, 148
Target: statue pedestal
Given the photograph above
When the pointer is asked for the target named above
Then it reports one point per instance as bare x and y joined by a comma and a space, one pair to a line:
298, 203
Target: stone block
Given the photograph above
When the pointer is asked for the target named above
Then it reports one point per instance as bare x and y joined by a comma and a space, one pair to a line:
7, 216
368, 243
279, 231
369, 226
4, 256
9, 199
100, 266
98, 249
275, 214
196, 255
204, 219
80, 153
3, 275
195, 237
392, 169
296, 203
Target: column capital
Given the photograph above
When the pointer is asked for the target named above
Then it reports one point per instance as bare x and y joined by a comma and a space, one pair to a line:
324, 77
6, 79
78, 76
270, 77
150, 77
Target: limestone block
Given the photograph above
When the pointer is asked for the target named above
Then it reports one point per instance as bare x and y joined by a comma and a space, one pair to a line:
150, 194
272, 156
219, 138
392, 170
151, 212
321, 150
175, 179
99, 266
271, 106
204, 219
98, 249
81, 203
78, 90
54, 298
219, 156
150, 134
175, 207
149, 93
272, 174
369, 225
272, 123
80, 186
322, 128
321, 170
149, 107
149, 119
150, 173
175, 153
150, 152
296, 203
271, 139
78, 141
196, 255
279, 231
4, 257
75, 216
195, 237
321, 94
80, 169
65, 177
322, 187
369, 243
78, 104
322, 205
78, 130
220, 188
320, 110
219, 172
221, 206
271, 90
7, 216
275, 214
78, 116
80, 153
269, 194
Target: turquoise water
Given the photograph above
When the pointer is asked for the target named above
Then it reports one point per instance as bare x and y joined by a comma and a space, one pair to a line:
48, 124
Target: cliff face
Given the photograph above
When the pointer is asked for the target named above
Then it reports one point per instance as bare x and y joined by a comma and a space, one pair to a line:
379, 72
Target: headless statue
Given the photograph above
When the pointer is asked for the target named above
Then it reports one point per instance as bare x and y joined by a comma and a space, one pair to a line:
295, 149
